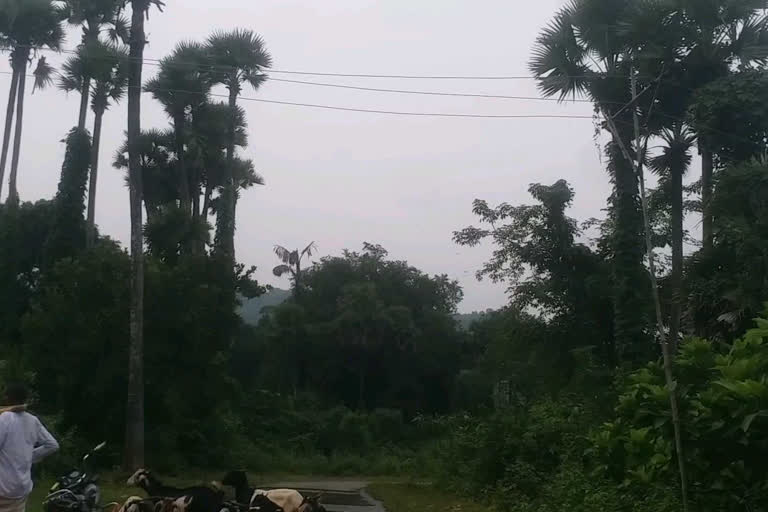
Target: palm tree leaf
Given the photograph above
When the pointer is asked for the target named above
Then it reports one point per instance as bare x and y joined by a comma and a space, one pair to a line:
43, 74
558, 60
308, 249
120, 30
282, 253
240, 55
280, 270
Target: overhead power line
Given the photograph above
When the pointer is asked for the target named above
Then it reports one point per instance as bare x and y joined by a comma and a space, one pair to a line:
375, 111
426, 93
154, 61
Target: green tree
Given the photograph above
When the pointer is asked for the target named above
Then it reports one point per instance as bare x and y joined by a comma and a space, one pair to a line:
93, 16
108, 69
37, 23
68, 232
584, 51
727, 285
291, 263
134, 417
181, 85
241, 57
537, 256
671, 164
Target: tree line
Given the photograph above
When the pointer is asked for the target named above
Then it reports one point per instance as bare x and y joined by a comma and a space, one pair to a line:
370, 347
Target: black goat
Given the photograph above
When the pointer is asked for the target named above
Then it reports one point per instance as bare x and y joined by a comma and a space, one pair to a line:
205, 498
245, 494
238, 480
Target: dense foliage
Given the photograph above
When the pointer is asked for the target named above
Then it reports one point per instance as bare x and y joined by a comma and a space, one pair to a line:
557, 401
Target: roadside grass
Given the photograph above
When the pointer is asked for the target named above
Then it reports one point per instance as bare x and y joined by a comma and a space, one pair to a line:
410, 497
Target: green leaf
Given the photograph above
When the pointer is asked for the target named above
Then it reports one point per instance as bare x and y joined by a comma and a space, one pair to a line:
750, 418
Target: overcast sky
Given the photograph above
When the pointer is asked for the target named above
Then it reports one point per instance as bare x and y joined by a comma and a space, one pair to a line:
341, 178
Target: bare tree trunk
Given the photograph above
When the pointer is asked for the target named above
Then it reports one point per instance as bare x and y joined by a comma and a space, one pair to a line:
134, 417
84, 97
183, 178
8, 124
206, 201
707, 165
677, 256
225, 214
667, 356
90, 234
13, 191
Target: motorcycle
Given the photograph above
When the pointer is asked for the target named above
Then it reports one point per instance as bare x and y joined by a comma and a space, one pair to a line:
77, 491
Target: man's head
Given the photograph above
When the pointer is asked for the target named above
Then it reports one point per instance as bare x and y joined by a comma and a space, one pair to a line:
16, 393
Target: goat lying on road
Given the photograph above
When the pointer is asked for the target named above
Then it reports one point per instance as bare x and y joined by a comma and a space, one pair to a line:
199, 498
288, 499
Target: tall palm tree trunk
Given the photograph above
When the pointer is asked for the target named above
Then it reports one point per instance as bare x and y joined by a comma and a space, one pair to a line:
663, 339
13, 192
225, 215
84, 97
134, 414
90, 236
206, 201
183, 184
707, 166
626, 265
677, 255
8, 125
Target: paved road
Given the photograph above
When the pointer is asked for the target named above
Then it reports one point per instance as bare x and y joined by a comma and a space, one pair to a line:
338, 495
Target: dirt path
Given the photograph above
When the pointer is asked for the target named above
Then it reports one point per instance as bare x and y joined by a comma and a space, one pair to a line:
338, 495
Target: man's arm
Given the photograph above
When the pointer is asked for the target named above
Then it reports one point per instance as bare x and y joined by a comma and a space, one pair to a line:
3, 429
45, 444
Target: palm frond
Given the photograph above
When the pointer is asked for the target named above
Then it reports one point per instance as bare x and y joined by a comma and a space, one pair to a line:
120, 30
43, 74
558, 60
240, 55
282, 253
308, 249
751, 44
676, 151
280, 270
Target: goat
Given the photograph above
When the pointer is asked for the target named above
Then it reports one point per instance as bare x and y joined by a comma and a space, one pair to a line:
239, 482
288, 499
312, 504
153, 487
137, 504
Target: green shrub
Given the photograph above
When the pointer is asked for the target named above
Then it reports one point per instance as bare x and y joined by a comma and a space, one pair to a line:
723, 395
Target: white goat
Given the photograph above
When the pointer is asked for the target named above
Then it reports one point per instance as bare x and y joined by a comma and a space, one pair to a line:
288, 499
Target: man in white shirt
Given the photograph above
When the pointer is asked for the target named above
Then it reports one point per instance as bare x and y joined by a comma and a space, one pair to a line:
23, 441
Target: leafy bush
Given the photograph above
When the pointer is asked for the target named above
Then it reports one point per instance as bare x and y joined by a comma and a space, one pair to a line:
723, 394
509, 457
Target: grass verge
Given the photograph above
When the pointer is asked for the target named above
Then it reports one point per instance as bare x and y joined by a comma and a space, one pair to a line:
407, 497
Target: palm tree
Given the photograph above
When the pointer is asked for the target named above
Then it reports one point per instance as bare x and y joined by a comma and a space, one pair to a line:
155, 148
110, 77
240, 57
291, 264
93, 16
37, 23
134, 417
181, 85
713, 39
672, 164
583, 51
208, 142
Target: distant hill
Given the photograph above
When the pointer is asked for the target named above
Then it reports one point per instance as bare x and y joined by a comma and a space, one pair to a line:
467, 319
251, 310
